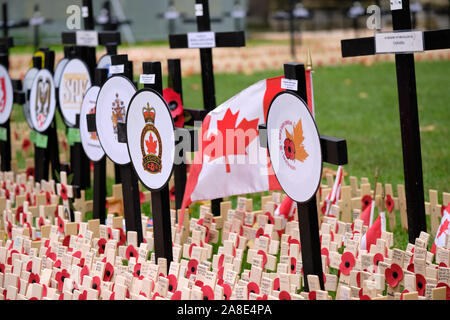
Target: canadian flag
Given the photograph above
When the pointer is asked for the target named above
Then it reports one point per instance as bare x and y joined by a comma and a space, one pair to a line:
229, 160
374, 232
443, 231
335, 193
286, 209
367, 214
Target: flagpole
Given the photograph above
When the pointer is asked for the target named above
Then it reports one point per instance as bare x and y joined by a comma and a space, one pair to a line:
372, 209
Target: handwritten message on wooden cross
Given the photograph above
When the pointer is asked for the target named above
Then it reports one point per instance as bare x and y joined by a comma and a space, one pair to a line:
332, 150
204, 40
403, 42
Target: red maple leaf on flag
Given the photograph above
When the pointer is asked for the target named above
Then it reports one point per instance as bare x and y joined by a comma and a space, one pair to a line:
151, 144
233, 140
444, 227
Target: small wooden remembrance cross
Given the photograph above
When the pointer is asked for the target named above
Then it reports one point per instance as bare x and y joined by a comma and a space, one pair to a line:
205, 40
333, 151
404, 42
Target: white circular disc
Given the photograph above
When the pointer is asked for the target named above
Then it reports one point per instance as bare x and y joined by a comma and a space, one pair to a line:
89, 140
42, 100
105, 63
59, 70
150, 138
294, 146
27, 84
112, 104
75, 81
6, 95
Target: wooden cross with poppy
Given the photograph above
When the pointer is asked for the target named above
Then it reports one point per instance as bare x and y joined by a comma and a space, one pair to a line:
204, 40
334, 151
395, 42
66, 192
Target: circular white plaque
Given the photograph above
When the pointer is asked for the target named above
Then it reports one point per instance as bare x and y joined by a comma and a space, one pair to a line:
42, 100
89, 140
294, 146
26, 86
111, 109
150, 138
75, 81
6, 95
59, 70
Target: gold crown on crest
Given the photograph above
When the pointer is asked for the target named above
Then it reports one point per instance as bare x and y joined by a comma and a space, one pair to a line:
149, 114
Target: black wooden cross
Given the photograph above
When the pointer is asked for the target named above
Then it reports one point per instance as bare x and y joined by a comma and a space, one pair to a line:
222, 39
80, 165
409, 117
334, 151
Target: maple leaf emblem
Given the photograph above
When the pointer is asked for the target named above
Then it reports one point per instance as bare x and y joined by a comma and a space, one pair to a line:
151, 144
297, 138
444, 227
230, 139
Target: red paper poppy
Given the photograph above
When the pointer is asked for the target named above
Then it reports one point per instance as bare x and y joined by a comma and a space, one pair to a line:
141, 197
403, 292
60, 277
175, 104
226, 291
347, 263
366, 201
7, 194
96, 283
377, 258
63, 192
364, 297
29, 267
83, 296
208, 293
19, 211
131, 252
312, 295
276, 284
261, 252
324, 252
293, 265
17, 190
252, 287
84, 272
112, 296
60, 225
191, 268
9, 229
33, 278
9, 260
173, 283
122, 238
421, 283
48, 198
263, 297
447, 290
389, 203
172, 194
30, 172
259, 233
410, 267
270, 219
393, 275
137, 271
176, 296
109, 272
101, 243
284, 295
57, 263
289, 149
110, 234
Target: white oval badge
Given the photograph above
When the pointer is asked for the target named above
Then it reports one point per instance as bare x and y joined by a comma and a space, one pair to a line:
150, 138
6, 95
59, 70
294, 146
89, 140
111, 109
26, 86
75, 81
42, 100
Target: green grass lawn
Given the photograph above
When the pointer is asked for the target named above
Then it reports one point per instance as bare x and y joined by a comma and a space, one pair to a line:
359, 103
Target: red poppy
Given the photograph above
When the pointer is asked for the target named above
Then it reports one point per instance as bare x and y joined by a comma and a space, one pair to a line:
270, 219
29, 267
377, 258
48, 198
252, 287
110, 235
33, 278
7, 194
324, 252
17, 190
131, 252
122, 238
9, 260
173, 283
289, 149
263, 297
141, 197
421, 283
366, 201
259, 233
312, 295
447, 290
389, 203
191, 267
208, 293
276, 284
393, 275
30, 172
347, 263
410, 267
9, 229
60, 225
57, 263
220, 262
172, 194
284, 295
176, 296
66, 241
293, 265
60, 277
84, 272
96, 283
109, 272
175, 104
364, 297
226, 291
137, 271
63, 192
403, 292
112, 296
19, 211
442, 264
261, 252
83, 296
101, 243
